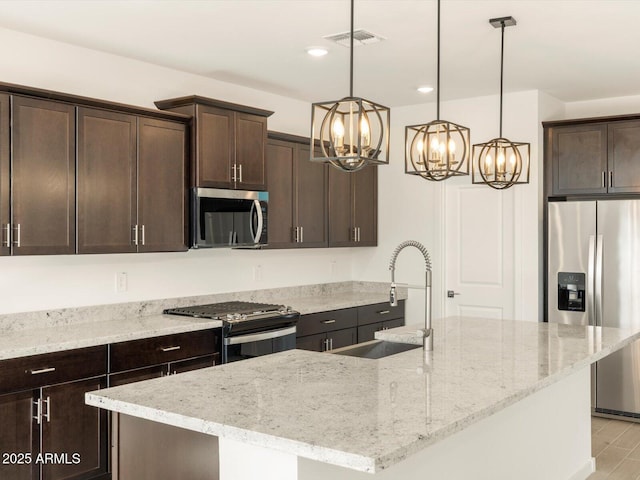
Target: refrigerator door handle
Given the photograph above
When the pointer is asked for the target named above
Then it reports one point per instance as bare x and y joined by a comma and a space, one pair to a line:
591, 281
598, 281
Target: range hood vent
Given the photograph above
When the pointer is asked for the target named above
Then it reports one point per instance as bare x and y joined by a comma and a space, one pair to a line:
360, 37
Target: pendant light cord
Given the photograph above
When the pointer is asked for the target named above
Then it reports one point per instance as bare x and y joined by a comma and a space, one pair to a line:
438, 68
351, 55
501, 74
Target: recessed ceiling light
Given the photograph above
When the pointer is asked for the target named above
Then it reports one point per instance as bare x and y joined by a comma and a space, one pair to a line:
425, 89
317, 51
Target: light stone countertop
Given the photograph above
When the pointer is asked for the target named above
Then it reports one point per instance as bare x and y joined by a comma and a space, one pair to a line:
33, 333
370, 414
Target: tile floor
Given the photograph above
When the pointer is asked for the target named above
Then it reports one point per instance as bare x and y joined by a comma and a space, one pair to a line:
616, 446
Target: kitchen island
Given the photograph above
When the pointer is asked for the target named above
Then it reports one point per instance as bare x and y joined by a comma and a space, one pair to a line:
496, 399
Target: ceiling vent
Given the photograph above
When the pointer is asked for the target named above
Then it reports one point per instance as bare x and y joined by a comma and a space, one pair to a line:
360, 37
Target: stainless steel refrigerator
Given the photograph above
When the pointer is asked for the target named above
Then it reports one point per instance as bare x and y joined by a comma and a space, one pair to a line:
594, 279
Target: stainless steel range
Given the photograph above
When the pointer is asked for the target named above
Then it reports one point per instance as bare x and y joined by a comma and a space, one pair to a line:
248, 329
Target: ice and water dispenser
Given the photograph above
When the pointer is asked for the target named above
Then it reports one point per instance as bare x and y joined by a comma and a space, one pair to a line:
571, 291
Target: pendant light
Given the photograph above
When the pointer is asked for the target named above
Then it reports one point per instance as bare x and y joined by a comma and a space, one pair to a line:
439, 149
501, 163
352, 132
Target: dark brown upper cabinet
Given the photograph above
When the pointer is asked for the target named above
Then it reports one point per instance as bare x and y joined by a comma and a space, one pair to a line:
598, 156
353, 207
5, 182
131, 183
43, 177
297, 194
107, 207
228, 142
162, 185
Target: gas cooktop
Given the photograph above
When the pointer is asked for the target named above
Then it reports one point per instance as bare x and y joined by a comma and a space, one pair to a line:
234, 311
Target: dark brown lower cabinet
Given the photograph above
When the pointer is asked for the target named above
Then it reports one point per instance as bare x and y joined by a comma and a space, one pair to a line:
146, 450
47, 432
75, 432
323, 342
18, 436
153, 451
367, 332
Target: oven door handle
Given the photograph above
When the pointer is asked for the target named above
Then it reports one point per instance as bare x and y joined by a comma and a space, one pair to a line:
256, 337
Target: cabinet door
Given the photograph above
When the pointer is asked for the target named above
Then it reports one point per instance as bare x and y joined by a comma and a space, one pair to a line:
367, 332
215, 147
579, 159
43, 175
340, 209
311, 199
251, 140
624, 157
162, 186
18, 435
365, 208
74, 428
342, 338
194, 364
5, 183
315, 343
106, 181
280, 159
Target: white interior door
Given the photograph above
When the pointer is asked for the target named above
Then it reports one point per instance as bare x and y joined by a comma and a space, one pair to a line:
478, 247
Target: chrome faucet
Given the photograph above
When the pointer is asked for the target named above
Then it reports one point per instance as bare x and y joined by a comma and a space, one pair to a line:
427, 334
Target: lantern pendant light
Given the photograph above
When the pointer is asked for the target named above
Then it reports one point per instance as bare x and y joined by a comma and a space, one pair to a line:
439, 149
352, 132
501, 163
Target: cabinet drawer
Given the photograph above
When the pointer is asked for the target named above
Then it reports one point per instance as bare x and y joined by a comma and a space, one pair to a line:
157, 350
379, 312
50, 368
327, 321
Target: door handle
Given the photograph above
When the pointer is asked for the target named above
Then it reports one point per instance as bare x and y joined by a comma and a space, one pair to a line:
7, 243
240, 174
17, 240
451, 293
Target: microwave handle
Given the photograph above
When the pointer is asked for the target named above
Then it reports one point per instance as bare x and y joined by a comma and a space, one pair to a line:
258, 232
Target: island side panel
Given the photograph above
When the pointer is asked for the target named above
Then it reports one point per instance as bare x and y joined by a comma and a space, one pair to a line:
546, 435
241, 461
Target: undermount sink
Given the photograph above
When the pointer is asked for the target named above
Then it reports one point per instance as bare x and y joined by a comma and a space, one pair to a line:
374, 349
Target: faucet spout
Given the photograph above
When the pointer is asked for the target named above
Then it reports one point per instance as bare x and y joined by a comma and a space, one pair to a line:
427, 334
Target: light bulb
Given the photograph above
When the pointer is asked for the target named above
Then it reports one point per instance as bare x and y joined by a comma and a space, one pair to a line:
501, 161
365, 132
512, 163
488, 164
338, 132
452, 146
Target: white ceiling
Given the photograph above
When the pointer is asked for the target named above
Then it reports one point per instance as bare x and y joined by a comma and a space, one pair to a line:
572, 49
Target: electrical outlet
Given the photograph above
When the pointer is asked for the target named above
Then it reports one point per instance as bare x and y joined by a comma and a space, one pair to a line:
257, 273
122, 283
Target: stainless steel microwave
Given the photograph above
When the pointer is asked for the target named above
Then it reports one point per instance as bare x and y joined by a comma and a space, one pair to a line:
228, 218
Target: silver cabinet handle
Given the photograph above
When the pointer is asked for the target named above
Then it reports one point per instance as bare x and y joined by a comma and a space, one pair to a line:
48, 414
170, 349
330, 343
7, 243
383, 312
17, 241
240, 168
142, 233
611, 178
296, 234
326, 322
604, 179
301, 234
43, 370
135, 234
38, 416
233, 174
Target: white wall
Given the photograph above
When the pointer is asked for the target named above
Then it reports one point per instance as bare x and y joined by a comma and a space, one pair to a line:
601, 107
43, 282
